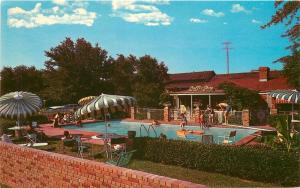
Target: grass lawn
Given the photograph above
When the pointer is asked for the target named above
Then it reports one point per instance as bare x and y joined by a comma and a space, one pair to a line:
196, 176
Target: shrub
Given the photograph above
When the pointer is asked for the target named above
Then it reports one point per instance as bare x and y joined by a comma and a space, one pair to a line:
255, 163
273, 119
5, 124
140, 116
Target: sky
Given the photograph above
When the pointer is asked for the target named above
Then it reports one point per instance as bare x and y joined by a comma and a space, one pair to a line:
186, 35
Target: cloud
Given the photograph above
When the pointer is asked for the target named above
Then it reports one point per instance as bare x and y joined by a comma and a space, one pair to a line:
239, 8
141, 12
225, 23
60, 2
18, 17
254, 21
211, 12
197, 20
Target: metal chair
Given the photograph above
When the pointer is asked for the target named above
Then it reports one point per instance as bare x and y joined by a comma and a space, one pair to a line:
207, 139
229, 139
80, 147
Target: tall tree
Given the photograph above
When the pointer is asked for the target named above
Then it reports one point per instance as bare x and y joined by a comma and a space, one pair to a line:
122, 74
75, 70
150, 79
287, 12
21, 78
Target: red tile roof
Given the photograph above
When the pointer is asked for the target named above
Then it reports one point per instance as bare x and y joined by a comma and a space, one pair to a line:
248, 80
192, 76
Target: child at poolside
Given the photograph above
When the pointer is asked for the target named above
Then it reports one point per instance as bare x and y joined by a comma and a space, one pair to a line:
183, 120
201, 119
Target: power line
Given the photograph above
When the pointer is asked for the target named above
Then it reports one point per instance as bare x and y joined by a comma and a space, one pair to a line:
227, 48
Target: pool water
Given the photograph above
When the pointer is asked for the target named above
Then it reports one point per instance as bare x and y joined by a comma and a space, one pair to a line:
122, 128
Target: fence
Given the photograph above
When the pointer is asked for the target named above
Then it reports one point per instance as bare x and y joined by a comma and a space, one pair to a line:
149, 113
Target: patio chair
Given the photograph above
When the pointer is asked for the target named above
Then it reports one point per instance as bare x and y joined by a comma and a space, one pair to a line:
122, 159
32, 141
207, 139
34, 124
228, 139
6, 138
80, 147
116, 146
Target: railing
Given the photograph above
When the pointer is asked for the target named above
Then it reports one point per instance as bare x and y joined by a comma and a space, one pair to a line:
147, 130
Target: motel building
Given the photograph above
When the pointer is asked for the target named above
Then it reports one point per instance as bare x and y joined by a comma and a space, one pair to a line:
192, 88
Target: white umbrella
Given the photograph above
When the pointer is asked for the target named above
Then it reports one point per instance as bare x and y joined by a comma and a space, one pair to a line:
105, 103
19, 105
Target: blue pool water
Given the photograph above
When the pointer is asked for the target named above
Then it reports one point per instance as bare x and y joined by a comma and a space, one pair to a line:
122, 127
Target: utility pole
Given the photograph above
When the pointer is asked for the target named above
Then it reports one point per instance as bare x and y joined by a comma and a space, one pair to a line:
227, 48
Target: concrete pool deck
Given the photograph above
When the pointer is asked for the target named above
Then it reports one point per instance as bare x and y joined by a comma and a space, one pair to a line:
56, 132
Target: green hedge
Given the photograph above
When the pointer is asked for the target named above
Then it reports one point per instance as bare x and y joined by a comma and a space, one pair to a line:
254, 163
273, 119
40, 119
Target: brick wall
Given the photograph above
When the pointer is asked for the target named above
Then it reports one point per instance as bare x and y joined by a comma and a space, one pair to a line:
28, 167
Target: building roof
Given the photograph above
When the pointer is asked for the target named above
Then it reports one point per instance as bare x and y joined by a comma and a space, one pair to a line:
192, 76
248, 80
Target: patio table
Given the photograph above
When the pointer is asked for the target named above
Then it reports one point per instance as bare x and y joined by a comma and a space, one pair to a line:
17, 130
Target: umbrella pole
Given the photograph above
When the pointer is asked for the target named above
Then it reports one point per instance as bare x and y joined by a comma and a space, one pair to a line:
105, 136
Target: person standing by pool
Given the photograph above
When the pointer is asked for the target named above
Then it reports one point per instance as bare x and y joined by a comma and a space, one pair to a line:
201, 119
226, 114
183, 120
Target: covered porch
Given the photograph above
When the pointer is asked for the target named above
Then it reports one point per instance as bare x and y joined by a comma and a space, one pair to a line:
188, 101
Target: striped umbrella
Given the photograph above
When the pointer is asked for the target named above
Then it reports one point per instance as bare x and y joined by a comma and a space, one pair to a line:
86, 100
19, 104
106, 103
291, 96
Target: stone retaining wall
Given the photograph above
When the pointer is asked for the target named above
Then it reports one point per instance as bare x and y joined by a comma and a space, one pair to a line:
28, 167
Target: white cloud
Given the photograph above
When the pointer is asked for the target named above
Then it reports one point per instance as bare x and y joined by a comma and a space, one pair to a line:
60, 2
197, 20
239, 8
225, 23
141, 12
211, 12
18, 17
254, 21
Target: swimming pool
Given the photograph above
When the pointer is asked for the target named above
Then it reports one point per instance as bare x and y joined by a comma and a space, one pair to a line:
122, 128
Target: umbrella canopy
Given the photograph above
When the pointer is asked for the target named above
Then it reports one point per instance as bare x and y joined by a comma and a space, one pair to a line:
291, 96
222, 104
106, 103
86, 100
19, 104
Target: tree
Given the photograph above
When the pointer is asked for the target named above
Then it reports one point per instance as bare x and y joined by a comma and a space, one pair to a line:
243, 98
150, 79
75, 70
287, 13
122, 74
21, 78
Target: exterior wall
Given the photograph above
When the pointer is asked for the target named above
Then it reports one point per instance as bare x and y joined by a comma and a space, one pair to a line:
27, 167
132, 113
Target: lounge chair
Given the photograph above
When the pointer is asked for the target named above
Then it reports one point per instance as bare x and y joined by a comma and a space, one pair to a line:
228, 139
122, 159
32, 141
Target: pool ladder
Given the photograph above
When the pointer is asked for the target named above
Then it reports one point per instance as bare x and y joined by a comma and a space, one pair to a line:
147, 130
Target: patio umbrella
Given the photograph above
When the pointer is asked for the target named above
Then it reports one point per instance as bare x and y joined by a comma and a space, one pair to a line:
86, 100
19, 105
106, 103
291, 96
